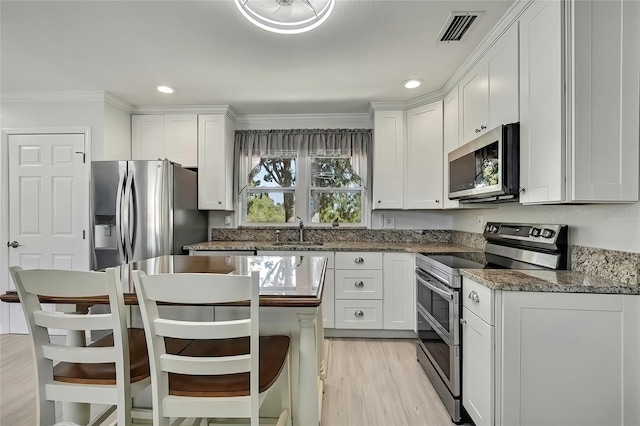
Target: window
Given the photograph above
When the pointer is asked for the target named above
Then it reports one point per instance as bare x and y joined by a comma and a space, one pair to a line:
314, 178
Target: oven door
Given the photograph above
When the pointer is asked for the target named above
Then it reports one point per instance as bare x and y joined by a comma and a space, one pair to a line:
442, 355
440, 305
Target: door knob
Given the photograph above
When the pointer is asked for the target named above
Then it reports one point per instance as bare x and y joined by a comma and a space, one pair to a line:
13, 244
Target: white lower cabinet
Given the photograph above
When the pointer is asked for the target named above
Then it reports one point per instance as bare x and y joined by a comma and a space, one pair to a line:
477, 368
550, 358
358, 290
399, 300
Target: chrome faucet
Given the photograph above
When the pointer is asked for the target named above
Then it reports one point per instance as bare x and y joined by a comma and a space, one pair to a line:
301, 229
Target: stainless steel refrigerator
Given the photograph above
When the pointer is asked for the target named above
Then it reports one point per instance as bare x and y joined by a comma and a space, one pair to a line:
143, 209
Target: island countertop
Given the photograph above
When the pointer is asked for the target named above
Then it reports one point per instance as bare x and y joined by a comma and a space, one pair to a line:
547, 281
284, 280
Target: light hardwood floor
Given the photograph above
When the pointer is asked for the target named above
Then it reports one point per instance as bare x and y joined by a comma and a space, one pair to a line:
369, 382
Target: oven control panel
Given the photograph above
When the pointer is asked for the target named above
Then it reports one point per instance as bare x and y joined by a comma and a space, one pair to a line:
521, 232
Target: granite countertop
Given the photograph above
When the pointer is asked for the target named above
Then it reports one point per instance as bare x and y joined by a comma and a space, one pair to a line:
547, 281
332, 246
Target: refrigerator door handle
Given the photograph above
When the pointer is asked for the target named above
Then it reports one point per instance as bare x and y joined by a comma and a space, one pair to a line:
129, 223
119, 217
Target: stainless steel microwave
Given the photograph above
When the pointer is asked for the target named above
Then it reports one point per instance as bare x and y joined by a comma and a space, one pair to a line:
488, 167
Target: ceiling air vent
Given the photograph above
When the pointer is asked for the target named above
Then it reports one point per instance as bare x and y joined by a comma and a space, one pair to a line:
457, 25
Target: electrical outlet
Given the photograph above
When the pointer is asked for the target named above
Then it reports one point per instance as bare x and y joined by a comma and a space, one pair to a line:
480, 221
227, 219
389, 222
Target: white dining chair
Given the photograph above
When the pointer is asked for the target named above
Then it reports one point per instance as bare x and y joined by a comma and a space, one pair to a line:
228, 369
109, 371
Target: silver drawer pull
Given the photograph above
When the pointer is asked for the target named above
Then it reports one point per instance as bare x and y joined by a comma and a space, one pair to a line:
474, 296
359, 284
358, 314
359, 260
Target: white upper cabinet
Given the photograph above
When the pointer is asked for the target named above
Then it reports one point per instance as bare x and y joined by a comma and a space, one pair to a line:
423, 171
579, 101
172, 136
407, 158
451, 142
215, 161
489, 91
388, 159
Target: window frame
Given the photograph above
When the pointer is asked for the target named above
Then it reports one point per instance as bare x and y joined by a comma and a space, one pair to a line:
302, 193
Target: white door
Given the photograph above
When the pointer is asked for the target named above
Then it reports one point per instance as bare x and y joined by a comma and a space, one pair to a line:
47, 206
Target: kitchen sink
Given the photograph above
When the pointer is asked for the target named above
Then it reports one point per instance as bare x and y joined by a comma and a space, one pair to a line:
297, 243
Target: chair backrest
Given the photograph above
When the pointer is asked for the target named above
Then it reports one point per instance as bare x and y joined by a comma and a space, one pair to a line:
61, 283
195, 289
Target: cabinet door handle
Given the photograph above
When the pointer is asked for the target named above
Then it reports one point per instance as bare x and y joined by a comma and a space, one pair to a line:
483, 127
477, 130
522, 189
379, 201
474, 296
463, 321
359, 260
359, 284
358, 314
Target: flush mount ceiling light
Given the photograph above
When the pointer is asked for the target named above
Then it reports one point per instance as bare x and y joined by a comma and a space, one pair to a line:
286, 16
165, 89
412, 84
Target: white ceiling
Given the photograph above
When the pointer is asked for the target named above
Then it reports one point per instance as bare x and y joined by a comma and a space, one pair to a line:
213, 56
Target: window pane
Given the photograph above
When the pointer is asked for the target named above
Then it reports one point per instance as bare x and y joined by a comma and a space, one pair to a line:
333, 173
345, 206
274, 173
270, 207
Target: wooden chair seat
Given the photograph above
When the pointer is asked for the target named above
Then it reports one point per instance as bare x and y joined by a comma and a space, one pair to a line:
273, 352
105, 373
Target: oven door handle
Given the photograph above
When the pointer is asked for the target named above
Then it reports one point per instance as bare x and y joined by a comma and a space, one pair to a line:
433, 288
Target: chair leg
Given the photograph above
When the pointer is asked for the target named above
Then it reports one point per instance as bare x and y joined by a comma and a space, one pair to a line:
285, 393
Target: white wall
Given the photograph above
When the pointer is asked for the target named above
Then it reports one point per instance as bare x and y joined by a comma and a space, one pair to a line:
412, 219
117, 133
58, 114
608, 226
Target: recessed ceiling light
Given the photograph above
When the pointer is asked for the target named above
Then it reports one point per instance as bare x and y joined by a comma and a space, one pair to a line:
412, 84
165, 89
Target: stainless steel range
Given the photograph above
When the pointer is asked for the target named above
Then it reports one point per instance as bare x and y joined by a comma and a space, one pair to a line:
438, 292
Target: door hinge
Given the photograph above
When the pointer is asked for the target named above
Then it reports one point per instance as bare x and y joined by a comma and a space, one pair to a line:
83, 234
83, 155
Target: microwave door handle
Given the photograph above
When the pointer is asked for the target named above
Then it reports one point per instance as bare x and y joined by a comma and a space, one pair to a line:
435, 289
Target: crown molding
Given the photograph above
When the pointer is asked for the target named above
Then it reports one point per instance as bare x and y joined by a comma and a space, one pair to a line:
59, 96
505, 22
293, 121
121, 104
187, 109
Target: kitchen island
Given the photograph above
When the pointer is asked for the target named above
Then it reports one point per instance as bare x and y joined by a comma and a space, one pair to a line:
290, 303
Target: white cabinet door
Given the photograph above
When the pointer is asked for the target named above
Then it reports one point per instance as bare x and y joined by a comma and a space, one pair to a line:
542, 145
478, 381
579, 101
606, 96
388, 160
423, 171
502, 70
576, 355
215, 162
172, 136
399, 301
181, 139
147, 137
474, 102
450, 142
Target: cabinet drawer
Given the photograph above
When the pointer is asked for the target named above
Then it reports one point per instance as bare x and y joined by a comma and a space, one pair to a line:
358, 314
358, 260
358, 284
478, 299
